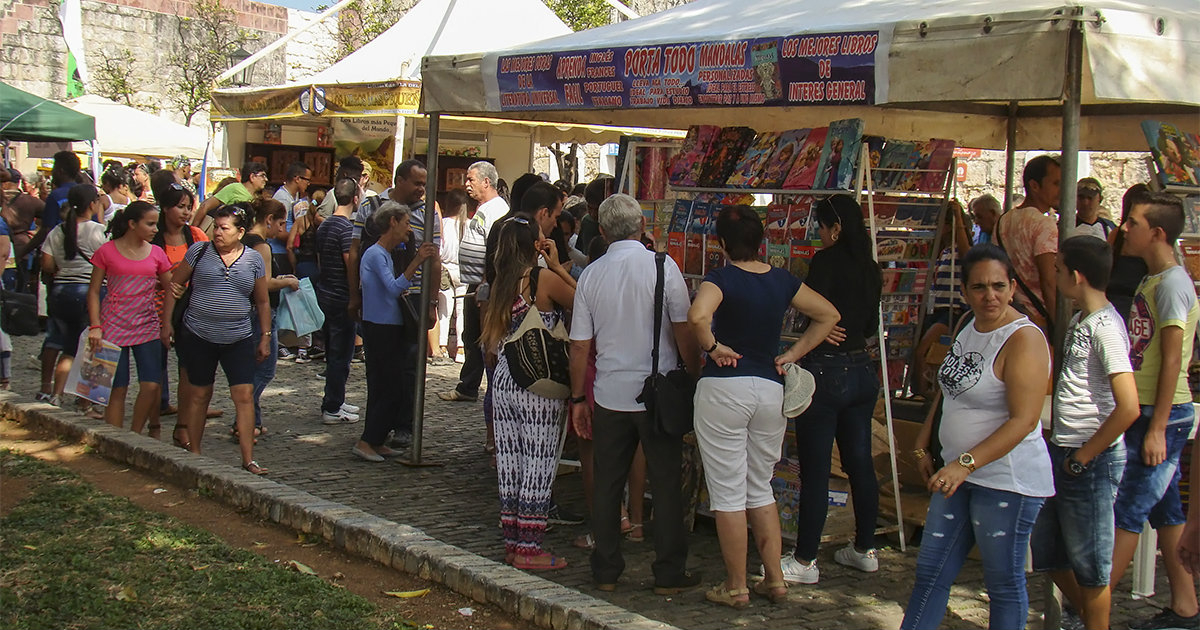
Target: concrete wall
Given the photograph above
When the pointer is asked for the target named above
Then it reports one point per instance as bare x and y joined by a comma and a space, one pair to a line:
33, 55
308, 53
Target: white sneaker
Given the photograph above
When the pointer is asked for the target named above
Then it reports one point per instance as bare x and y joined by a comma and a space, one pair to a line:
341, 417
348, 408
850, 557
794, 572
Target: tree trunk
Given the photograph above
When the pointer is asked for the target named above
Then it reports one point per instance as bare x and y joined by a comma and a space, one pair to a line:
568, 164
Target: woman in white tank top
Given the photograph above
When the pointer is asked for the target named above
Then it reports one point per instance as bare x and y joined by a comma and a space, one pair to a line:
998, 472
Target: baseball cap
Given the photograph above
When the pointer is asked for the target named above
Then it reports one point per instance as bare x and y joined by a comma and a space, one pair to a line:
1089, 186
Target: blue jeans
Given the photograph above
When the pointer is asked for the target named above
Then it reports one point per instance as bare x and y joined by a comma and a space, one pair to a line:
1151, 493
1075, 529
339, 349
67, 306
148, 356
999, 522
841, 409
264, 372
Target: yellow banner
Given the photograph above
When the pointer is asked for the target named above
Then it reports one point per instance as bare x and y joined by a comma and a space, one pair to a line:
380, 99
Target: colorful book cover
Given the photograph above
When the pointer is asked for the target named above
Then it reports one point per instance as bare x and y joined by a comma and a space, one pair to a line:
1176, 154
652, 172
910, 177
801, 255
676, 246
693, 256
798, 219
686, 165
714, 256
783, 157
777, 222
722, 158
804, 170
890, 248
940, 157
92, 373
778, 254
891, 162
765, 58
681, 216
885, 213
835, 171
753, 161
874, 149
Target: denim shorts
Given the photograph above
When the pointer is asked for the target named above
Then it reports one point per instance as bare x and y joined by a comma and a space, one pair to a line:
1151, 493
67, 306
147, 356
1074, 530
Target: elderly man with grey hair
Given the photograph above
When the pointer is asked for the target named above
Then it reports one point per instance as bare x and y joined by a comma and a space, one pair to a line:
985, 209
614, 313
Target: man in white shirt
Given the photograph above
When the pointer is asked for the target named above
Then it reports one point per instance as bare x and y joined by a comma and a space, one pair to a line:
614, 312
481, 185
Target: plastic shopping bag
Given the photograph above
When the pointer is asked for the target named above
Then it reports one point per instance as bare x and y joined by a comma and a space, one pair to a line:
299, 311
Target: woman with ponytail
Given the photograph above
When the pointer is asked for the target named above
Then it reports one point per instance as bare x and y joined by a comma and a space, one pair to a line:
115, 182
526, 424
128, 317
270, 221
67, 257
845, 273
175, 236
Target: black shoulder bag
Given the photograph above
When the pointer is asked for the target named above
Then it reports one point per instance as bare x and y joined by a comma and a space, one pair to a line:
667, 397
182, 303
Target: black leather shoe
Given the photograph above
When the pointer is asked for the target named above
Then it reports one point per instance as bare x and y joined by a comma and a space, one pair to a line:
687, 581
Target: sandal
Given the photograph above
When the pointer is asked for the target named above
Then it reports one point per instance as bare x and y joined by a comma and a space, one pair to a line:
169, 410
544, 561
260, 431
184, 444
636, 533
721, 594
236, 436
254, 469
586, 541
771, 590
626, 526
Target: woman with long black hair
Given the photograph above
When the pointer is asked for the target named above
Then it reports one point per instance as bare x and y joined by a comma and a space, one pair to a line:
526, 424
67, 257
845, 273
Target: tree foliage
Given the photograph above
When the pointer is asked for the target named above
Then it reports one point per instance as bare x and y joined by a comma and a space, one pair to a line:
201, 53
581, 14
114, 78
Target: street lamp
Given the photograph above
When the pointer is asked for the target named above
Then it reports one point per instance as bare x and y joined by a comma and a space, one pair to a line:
242, 77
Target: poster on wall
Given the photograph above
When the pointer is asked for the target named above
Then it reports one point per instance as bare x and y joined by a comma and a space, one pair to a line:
809, 69
372, 140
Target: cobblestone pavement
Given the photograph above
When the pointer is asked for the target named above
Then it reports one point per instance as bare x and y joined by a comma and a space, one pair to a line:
456, 502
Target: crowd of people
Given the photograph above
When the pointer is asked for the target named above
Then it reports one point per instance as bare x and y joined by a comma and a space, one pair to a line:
144, 264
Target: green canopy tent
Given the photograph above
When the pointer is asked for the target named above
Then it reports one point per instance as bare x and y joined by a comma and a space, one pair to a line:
28, 118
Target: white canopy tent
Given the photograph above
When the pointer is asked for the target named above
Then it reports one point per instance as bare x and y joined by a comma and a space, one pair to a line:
124, 131
950, 68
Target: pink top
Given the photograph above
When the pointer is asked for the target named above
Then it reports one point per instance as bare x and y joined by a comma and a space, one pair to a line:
128, 313
1026, 233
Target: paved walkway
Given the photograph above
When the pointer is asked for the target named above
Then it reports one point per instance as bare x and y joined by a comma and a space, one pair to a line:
457, 504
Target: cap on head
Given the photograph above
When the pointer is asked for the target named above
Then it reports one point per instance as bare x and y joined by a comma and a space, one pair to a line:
1089, 187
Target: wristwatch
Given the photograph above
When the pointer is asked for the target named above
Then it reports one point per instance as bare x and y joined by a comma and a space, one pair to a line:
714, 347
1073, 465
967, 460
575, 400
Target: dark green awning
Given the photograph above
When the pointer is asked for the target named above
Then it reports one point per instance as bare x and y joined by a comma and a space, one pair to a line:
30, 118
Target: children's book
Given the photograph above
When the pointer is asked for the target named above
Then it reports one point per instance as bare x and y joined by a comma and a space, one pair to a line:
787, 149
723, 156
798, 220
910, 178
802, 253
804, 170
839, 155
874, 150
754, 160
894, 157
777, 222
1176, 154
685, 167
940, 155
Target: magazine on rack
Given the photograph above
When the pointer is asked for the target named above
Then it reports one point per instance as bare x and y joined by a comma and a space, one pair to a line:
754, 160
685, 167
839, 155
782, 158
728, 148
1176, 154
804, 170
941, 153
92, 373
894, 157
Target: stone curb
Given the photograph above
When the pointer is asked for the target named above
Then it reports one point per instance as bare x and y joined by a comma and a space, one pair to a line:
399, 546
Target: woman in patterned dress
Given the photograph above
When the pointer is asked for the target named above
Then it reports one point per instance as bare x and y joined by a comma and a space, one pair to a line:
527, 425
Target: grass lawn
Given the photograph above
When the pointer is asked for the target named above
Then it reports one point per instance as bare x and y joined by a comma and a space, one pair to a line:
73, 557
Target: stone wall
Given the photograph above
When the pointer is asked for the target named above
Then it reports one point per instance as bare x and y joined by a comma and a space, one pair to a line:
308, 53
33, 55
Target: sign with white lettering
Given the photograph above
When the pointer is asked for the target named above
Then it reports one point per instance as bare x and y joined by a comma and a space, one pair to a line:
822, 69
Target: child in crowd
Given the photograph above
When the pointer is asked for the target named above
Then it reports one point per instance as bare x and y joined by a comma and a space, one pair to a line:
1095, 401
1162, 324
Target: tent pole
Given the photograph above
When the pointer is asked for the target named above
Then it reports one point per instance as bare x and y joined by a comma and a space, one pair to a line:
1010, 155
427, 284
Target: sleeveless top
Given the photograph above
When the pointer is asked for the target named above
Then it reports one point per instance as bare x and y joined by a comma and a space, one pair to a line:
520, 307
976, 405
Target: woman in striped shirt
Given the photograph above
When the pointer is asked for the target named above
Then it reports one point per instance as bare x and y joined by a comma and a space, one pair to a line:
128, 317
229, 284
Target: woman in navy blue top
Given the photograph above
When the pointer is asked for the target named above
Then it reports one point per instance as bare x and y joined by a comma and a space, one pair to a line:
737, 316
